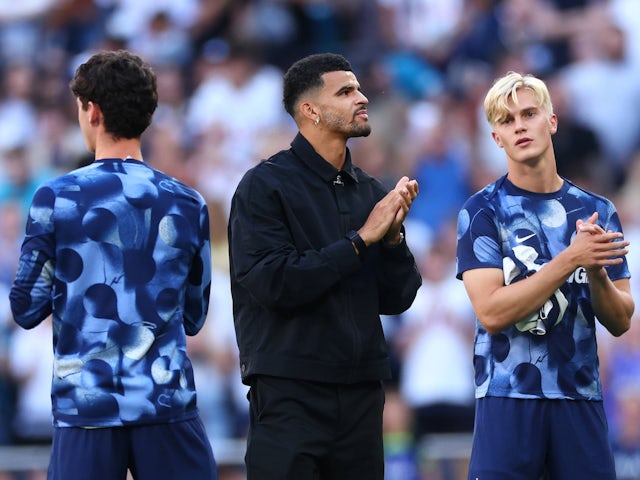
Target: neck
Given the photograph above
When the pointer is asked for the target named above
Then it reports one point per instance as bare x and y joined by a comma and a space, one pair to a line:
332, 148
121, 148
538, 182
538, 175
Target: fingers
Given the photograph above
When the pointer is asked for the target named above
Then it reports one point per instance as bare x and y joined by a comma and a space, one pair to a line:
617, 249
390, 212
408, 189
412, 187
589, 228
408, 192
593, 218
602, 240
602, 249
401, 183
585, 225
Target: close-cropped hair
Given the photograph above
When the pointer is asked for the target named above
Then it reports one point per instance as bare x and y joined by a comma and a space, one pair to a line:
505, 89
123, 85
306, 75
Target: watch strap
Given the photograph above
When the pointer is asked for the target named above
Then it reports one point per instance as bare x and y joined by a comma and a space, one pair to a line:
357, 241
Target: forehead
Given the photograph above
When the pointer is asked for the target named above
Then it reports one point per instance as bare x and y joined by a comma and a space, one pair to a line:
526, 100
334, 81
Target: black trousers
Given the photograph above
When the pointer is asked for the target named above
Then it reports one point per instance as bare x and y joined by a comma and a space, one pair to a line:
302, 430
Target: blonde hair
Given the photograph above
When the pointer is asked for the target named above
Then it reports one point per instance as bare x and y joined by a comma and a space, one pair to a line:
496, 103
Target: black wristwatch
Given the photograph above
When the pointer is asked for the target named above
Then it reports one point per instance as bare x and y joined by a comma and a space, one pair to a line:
355, 238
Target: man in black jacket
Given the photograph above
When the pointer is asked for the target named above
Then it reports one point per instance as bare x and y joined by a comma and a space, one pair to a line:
317, 253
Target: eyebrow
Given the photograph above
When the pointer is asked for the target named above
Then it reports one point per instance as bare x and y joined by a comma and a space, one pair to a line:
521, 109
348, 87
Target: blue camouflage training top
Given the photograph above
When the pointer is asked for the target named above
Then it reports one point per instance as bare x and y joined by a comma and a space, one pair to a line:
119, 253
553, 352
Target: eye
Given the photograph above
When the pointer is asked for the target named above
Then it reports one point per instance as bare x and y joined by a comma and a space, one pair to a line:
346, 91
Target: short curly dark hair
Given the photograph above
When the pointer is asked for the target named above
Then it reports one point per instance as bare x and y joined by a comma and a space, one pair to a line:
123, 85
306, 74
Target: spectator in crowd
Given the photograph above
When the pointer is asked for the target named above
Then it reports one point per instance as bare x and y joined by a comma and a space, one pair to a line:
441, 395
579, 156
401, 452
11, 224
600, 59
8, 387
21, 29
625, 442
237, 97
17, 108
221, 394
440, 164
626, 14
30, 367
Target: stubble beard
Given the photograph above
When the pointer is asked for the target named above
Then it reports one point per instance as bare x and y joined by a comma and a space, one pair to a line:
354, 129
350, 129
360, 130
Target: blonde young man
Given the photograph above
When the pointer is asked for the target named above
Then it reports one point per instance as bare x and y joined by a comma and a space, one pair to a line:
542, 261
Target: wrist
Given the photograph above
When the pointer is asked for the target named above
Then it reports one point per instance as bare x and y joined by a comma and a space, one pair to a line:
394, 240
356, 240
597, 272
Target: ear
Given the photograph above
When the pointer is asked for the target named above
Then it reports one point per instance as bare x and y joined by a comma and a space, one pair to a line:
553, 123
496, 138
308, 110
95, 113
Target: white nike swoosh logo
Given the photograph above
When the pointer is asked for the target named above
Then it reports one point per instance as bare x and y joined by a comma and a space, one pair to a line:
522, 239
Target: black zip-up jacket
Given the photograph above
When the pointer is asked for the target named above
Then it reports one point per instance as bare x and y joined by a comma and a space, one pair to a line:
306, 305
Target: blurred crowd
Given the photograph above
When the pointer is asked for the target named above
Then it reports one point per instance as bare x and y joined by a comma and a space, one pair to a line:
425, 66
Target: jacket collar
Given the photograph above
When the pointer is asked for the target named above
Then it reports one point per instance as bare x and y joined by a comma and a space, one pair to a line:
306, 153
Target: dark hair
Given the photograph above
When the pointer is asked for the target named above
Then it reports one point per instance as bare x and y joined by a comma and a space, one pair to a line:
124, 87
306, 74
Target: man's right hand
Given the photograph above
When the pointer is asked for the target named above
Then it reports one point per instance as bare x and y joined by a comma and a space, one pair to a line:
387, 216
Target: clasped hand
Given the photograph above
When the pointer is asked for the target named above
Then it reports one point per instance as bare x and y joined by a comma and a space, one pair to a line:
386, 218
594, 248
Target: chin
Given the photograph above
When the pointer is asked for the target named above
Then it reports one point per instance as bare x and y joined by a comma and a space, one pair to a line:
361, 131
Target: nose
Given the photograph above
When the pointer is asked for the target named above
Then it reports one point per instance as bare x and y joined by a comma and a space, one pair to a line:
519, 124
362, 98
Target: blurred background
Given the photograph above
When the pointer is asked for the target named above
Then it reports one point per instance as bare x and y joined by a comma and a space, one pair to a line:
425, 66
